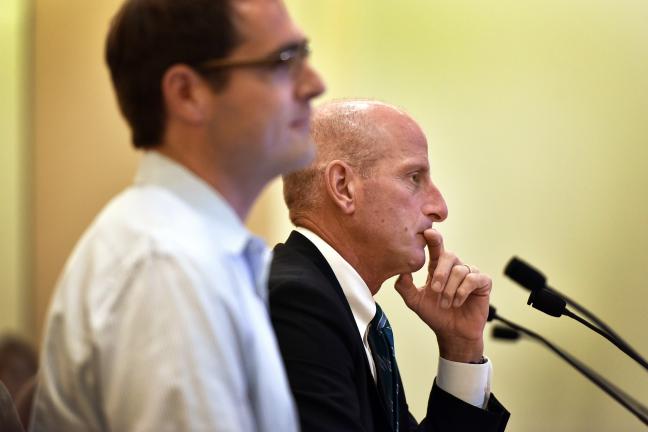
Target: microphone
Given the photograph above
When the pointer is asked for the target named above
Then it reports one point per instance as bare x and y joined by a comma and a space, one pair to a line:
505, 333
550, 301
525, 275
624, 399
532, 279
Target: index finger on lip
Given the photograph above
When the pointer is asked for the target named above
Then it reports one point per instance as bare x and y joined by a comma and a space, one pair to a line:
434, 241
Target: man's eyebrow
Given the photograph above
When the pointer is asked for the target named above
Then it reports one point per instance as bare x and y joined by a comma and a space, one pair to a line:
290, 46
416, 166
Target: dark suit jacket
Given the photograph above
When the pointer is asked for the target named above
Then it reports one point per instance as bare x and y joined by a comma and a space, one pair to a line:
326, 362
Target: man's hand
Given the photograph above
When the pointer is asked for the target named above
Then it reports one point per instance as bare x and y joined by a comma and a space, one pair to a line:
453, 301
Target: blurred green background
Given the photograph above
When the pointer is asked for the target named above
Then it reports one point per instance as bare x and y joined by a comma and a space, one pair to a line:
535, 113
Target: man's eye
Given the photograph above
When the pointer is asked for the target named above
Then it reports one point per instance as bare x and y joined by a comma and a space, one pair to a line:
286, 58
287, 55
284, 63
416, 177
290, 59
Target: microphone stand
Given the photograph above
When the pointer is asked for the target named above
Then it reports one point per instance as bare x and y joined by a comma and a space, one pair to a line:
620, 342
624, 399
552, 304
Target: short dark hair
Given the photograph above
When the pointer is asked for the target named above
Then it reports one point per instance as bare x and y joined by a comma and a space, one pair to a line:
147, 37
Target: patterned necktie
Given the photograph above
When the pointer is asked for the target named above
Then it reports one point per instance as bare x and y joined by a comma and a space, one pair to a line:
381, 342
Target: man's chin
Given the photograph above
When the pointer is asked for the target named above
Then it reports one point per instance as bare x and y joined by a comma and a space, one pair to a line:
301, 159
416, 263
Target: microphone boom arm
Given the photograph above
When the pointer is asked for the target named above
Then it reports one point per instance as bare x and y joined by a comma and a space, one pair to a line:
627, 401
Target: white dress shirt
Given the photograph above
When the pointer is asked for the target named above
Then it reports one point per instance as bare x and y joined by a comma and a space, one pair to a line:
468, 382
160, 322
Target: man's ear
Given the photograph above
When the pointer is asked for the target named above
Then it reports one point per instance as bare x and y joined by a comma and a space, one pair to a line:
341, 183
186, 94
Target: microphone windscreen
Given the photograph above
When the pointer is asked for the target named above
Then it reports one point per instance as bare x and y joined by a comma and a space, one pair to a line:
525, 275
506, 333
547, 302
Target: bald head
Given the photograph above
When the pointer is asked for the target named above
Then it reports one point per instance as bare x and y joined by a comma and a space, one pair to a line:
351, 131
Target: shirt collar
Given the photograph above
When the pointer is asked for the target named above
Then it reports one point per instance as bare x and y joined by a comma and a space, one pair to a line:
158, 170
355, 289
258, 257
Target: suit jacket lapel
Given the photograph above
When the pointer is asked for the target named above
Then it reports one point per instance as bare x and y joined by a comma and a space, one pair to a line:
302, 245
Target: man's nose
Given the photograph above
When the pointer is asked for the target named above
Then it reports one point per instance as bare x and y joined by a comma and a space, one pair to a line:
310, 83
435, 206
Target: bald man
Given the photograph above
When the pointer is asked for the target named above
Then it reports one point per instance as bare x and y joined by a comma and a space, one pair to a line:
364, 211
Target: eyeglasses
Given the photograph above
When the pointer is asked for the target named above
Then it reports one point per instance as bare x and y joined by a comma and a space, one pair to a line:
290, 57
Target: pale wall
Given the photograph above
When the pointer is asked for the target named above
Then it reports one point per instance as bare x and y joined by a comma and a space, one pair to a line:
14, 194
82, 150
535, 112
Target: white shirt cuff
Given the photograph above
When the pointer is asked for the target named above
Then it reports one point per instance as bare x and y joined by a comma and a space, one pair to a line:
466, 381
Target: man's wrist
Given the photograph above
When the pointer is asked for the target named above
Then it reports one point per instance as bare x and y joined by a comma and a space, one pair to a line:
462, 351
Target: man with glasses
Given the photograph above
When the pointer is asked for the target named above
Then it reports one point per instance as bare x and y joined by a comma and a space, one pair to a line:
159, 321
